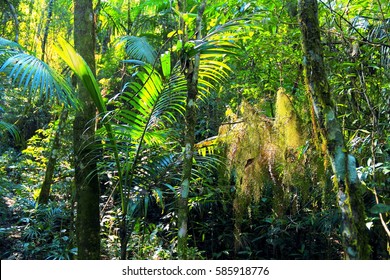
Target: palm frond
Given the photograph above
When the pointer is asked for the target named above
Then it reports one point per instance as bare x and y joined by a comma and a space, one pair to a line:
150, 101
233, 27
213, 71
82, 70
139, 48
6, 44
10, 128
213, 49
113, 18
159, 170
204, 166
31, 74
8, 49
146, 105
218, 47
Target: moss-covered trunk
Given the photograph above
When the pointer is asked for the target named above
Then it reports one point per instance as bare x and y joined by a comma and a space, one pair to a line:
52, 159
87, 185
191, 69
350, 201
50, 6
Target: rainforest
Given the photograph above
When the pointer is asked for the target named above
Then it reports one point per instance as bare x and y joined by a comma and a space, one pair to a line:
194, 130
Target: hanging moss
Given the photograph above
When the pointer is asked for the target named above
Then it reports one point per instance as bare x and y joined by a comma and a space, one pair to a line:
290, 138
266, 152
286, 122
249, 150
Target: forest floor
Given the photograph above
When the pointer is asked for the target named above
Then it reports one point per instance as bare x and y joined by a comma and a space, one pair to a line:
11, 244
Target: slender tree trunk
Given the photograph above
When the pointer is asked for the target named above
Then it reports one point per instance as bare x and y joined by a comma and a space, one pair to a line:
191, 69
16, 21
129, 23
47, 27
52, 160
354, 234
86, 181
30, 11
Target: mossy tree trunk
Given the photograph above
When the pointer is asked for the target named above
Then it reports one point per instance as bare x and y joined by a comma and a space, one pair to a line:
50, 7
350, 201
86, 181
191, 70
52, 159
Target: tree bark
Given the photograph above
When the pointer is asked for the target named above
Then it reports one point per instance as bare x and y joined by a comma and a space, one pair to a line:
86, 180
346, 182
47, 27
191, 70
52, 159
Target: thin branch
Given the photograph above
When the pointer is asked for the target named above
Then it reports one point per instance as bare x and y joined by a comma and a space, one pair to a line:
364, 39
380, 214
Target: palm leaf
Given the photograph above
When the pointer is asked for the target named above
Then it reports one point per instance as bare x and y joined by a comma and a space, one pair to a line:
113, 18
147, 104
213, 71
4, 126
139, 48
217, 47
213, 48
82, 70
7, 44
32, 74
8, 49
151, 101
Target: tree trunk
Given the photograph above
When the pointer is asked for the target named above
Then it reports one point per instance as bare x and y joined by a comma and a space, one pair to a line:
350, 201
47, 27
52, 160
16, 21
86, 181
191, 69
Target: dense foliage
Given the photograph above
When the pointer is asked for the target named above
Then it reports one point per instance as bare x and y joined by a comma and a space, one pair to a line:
261, 184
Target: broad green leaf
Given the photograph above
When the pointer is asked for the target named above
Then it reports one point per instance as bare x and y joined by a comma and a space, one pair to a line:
166, 64
81, 69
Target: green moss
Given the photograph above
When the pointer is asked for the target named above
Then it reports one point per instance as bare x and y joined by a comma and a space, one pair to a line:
265, 152
286, 122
